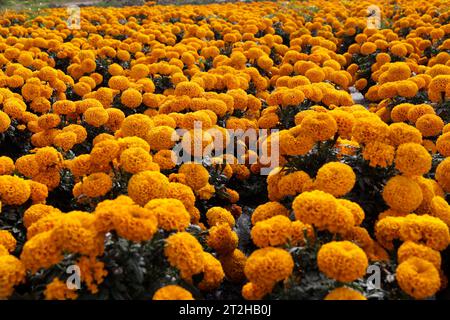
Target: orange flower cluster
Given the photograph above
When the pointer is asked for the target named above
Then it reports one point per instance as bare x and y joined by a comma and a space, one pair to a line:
96, 124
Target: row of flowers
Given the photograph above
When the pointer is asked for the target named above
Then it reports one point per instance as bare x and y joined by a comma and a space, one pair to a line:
94, 123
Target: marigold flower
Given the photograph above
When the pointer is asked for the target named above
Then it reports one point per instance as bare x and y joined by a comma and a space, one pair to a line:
212, 273
320, 126
443, 174
185, 253
104, 152
439, 208
136, 224
355, 209
96, 116
443, 144
315, 75
222, 239
172, 292
36, 212
133, 142
430, 125
190, 89
6, 165
344, 293
64, 107
79, 130
428, 192
162, 137
58, 290
118, 83
410, 249
368, 130
412, 159
368, 48
92, 272
274, 231
378, 154
147, 185
342, 260
171, 214
7, 240
345, 122
49, 158
136, 125
12, 273
293, 183
135, 159
48, 121
253, 291
166, 159
418, 111
418, 278
268, 210
96, 185
5, 121
314, 207
196, 175
432, 231
291, 142
335, 178
218, 215
14, 108
400, 133
131, 98
267, 266
38, 191
233, 265
40, 252
65, 140
14, 190
115, 119
402, 194
50, 177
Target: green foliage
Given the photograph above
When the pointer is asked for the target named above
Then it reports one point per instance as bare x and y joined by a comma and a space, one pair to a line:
322, 153
15, 143
368, 188
287, 114
138, 269
306, 281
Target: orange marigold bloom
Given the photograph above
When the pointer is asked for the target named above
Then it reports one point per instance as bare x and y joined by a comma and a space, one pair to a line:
185, 253
320, 126
14, 190
418, 278
96, 185
12, 273
131, 98
412, 159
335, 178
171, 214
6, 165
147, 185
64, 107
96, 116
342, 260
402, 194
172, 292
5, 121
267, 266
430, 125
443, 144
58, 290
344, 293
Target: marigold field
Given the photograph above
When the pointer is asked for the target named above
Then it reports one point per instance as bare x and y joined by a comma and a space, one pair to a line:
356, 113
